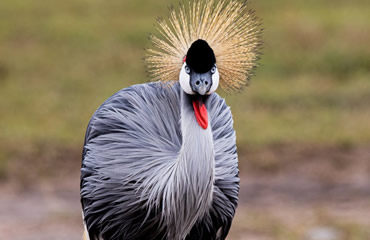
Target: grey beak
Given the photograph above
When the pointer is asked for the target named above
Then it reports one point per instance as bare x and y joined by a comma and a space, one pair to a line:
201, 82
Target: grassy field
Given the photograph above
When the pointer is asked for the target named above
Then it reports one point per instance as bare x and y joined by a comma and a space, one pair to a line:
59, 60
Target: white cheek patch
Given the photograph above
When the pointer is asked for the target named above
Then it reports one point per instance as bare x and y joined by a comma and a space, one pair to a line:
215, 81
185, 81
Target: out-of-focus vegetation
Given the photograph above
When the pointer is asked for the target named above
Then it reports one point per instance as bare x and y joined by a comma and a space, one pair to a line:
59, 60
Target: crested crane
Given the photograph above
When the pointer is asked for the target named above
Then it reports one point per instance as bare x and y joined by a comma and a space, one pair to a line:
159, 159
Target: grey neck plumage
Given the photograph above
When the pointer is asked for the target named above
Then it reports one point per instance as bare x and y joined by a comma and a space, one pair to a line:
189, 190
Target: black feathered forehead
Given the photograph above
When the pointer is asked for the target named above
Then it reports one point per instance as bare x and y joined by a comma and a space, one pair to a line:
200, 56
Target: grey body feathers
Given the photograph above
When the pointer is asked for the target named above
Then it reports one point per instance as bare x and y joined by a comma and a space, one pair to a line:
150, 172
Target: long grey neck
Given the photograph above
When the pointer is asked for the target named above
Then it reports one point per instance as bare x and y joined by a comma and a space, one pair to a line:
197, 152
194, 173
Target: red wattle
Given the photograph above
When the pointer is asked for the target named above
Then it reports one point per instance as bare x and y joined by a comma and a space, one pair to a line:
201, 114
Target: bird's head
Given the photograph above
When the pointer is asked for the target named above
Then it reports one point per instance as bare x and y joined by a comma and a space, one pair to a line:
199, 78
199, 74
229, 27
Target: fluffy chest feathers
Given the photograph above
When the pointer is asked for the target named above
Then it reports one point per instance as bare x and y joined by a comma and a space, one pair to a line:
150, 172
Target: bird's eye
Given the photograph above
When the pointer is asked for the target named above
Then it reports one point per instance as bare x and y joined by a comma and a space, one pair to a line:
213, 70
187, 69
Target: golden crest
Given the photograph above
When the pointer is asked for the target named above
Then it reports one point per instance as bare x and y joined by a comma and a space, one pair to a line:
228, 26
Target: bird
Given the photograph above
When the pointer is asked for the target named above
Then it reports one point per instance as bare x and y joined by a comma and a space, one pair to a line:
160, 159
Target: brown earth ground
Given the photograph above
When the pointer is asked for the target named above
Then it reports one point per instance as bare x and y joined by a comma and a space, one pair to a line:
287, 192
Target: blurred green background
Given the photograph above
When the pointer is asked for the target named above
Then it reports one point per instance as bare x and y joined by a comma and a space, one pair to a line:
59, 60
